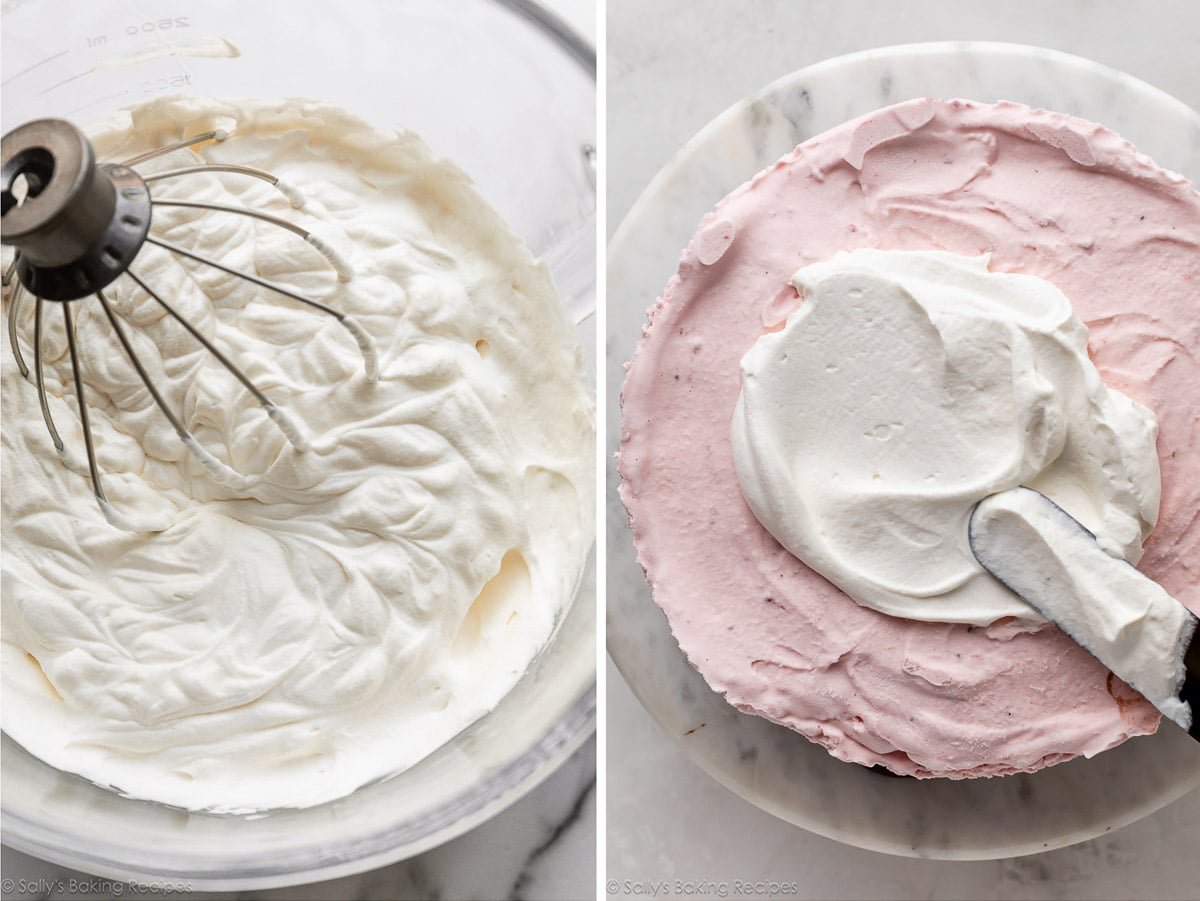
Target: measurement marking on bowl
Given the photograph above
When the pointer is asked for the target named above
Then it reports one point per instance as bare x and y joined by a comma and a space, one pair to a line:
98, 100
208, 46
65, 81
28, 69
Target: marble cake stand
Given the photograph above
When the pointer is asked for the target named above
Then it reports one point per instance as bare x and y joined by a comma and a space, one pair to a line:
771, 766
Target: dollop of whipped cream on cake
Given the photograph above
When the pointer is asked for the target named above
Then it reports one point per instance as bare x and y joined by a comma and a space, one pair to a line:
906, 388
361, 602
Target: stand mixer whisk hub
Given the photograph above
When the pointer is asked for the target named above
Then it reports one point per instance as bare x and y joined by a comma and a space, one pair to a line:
78, 225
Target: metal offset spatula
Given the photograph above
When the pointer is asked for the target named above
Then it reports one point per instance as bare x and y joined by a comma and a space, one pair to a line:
1122, 618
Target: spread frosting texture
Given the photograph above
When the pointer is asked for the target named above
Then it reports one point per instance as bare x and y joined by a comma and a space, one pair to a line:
354, 605
907, 387
1042, 194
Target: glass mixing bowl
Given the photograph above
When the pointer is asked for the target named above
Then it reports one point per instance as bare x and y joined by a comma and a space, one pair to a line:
507, 92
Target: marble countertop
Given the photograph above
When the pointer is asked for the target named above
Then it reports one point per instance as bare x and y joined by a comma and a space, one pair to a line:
661, 89
669, 822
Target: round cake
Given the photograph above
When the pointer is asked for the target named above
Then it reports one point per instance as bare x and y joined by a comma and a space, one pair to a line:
1041, 194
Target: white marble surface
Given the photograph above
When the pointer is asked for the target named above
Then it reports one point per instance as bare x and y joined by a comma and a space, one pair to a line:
654, 799
669, 821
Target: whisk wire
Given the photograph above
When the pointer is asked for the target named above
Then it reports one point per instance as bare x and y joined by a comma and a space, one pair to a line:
40, 378
93, 470
222, 208
217, 134
340, 266
295, 198
290, 430
250, 277
13, 302
221, 473
365, 345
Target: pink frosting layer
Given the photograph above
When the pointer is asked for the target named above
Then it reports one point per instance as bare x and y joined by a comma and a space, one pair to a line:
1046, 194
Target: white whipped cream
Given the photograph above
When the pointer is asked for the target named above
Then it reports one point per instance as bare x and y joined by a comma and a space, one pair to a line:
906, 387
1126, 620
357, 604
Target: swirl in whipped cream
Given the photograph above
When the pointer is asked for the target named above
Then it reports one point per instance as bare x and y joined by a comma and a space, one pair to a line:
359, 603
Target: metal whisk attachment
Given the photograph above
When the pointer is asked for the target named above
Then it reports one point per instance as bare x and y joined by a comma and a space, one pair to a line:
78, 225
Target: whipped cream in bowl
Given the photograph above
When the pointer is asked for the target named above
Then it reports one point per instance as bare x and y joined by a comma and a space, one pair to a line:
357, 604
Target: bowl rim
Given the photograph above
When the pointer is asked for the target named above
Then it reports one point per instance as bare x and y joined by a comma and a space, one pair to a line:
620, 245
249, 871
